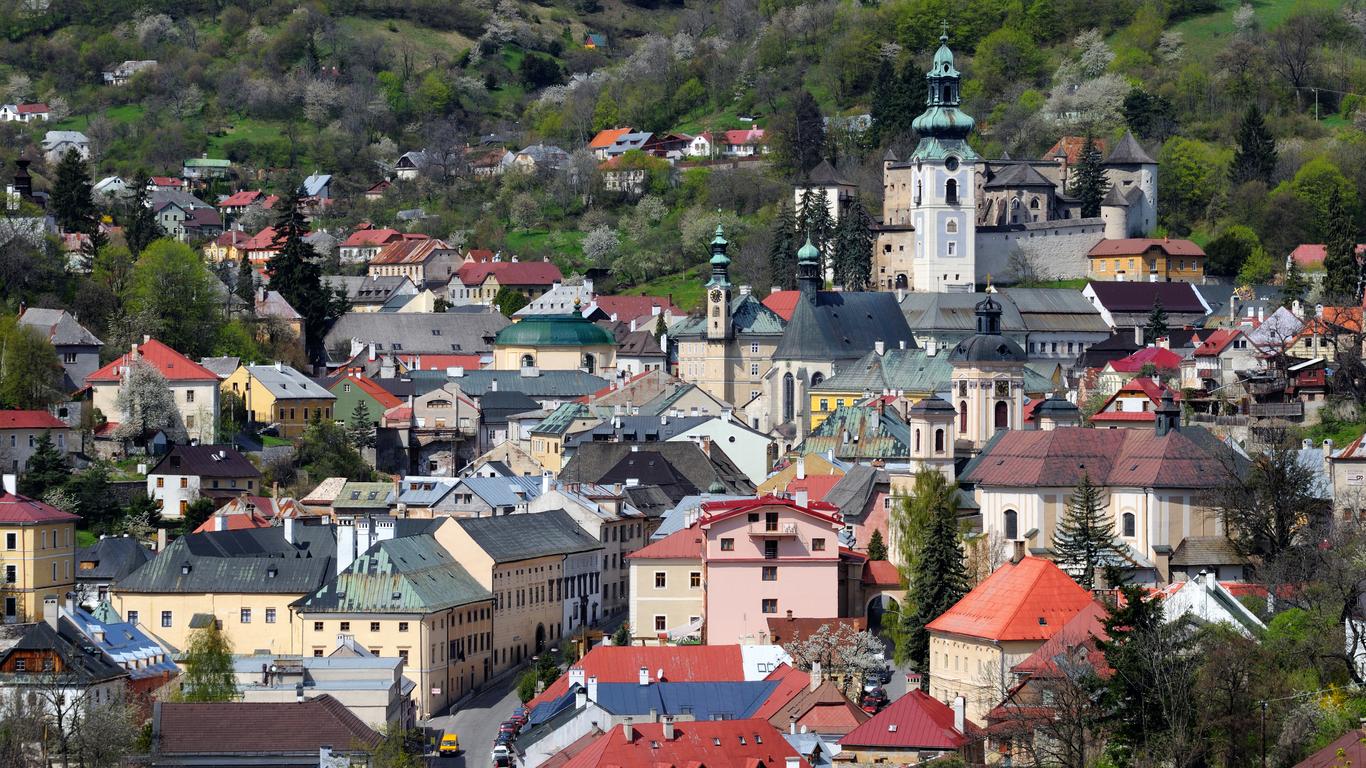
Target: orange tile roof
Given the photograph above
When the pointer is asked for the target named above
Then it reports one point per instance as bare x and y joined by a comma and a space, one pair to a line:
791, 683
709, 743
1132, 246
685, 544
784, 303
1029, 600
607, 137
1071, 146
681, 663
172, 365
408, 251
30, 420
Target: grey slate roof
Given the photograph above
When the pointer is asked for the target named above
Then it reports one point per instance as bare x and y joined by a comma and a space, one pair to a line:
508, 538
59, 326
679, 469
256, 573
368, 289
548, 384
955, 312
414, 574
852, 492
111, 558
1052, 309
285, 383
1129, 152
1018, 175
825, 175
85, 664
467, 330
748, 317
222, 367
205, 461
842, 325
503, 491
633, 429
1206, 550
496, 407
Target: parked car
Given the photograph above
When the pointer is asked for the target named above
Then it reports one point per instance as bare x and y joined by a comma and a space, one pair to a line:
502, 757
521, 715
504, 738
509, 726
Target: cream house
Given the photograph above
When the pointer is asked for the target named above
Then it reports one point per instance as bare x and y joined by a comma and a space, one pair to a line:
668, 599
194, 387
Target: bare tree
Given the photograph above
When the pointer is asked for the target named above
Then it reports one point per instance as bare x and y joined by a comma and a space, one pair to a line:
1292, 52
1051, 718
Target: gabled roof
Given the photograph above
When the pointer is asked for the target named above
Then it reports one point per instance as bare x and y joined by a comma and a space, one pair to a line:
860, 432
1134, 296
1085, 627
1133, 246
1216, 342
258, 728
686, 544
409, 251
824, 710
112, 557
538, 273
412, 574
607, 137
784, 303
30, 420
622, 664
881, 573
508, 538
60, 327
843, 325
369, 387
696, 744
1028, 600
370, 237
173, 366
914, 721
205, 461
16, 509
82, 662
286, 383
1159, 357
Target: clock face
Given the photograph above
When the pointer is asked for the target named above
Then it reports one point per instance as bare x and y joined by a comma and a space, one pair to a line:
951, 163
716, 295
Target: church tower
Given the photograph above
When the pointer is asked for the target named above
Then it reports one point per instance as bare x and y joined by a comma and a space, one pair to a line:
944, 184
988, 379
718, 290
808, 270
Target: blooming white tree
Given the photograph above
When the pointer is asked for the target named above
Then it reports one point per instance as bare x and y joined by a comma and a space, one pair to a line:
145, 404
601, 245
846, 655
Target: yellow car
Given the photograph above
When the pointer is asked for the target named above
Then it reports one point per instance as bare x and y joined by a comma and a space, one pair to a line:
450, 745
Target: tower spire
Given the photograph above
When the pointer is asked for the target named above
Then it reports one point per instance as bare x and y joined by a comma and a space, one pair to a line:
720, 261
808, 268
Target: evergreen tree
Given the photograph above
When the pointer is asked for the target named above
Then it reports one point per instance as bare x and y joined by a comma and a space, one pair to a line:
1156, 327
1085, 538
1295, 287
623, 635
1254, 159
72, 205
782, 249
208, 666
46, 469
661, 327
297, 275
893, 102
939, 577
1089, 183
361, 427
1340, 261
140, 225
196, 514
877, 550
854, 249
801, 135
816, 222
245, 285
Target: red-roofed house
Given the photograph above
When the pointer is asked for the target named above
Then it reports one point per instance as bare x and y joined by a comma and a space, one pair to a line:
627, 308
39, 542
820, 707
913, 729
24, 113
1218, 359
997, 625
1318, 337
194, 387
680, 663
239, 202
228, 246
164, 184
1067, 150
364, 244
20, 432
746, 142
480, 281
784, 303
698, 744
667, 598
429, 263
1147, 259
1133, 404
439, 362
1311, 255
1161, 361
604, 141
262, 246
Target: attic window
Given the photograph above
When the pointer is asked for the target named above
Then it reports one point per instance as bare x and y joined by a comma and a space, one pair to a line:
1043, 622
272, 573
654, 744
455, 347
742, 741
436, 331
716, 741
891, 727
758, 739
396, 346
396, 596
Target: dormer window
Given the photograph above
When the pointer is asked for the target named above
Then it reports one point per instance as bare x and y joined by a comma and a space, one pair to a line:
185, 568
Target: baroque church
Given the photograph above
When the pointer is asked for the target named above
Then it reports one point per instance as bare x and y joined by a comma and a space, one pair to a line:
950, 218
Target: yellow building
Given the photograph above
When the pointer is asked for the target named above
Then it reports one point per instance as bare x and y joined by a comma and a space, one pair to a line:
1147, 259
804, 467
37, 554
547, 438
555, 343
668, 598
408, 598
278, 394
228, 246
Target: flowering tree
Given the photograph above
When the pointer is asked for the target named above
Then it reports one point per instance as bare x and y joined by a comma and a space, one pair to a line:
145, 404
846, 655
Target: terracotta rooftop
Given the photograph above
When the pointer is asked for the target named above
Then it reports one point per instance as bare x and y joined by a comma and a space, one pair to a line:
30, 420
914, 721
259, 728
1028, 600
621, 664
16, 509
172, 365
709, 744
685, 544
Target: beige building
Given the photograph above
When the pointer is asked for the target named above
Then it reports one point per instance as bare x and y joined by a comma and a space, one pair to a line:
605, 514
21, 431
37, 554
194, 387
668, 595
521, 560
547, 438
555, 343
407, 598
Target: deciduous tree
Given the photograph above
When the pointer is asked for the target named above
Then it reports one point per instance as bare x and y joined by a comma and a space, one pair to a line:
173, 296
208, 666
847, 655
145, 404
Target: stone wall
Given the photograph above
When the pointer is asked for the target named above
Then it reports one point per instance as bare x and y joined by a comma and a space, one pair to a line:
1057, 249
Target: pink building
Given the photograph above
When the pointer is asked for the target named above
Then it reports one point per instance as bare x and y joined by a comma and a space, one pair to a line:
764, 558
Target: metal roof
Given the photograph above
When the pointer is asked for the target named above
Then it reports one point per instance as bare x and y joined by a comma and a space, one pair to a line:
704, 701
507, 538
748, 317
413, 574
178, 569
285, 383
468, 329
503, 491
542, 384
562, 418
364, 495
842, 325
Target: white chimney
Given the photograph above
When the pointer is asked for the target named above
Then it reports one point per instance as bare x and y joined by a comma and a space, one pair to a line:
668, 728
593, 688
11, 484
220, 522
545, 486
802, 497
580, 699
792, 724
289, 529
346, 544
801, 468
576, 676
792, 761
644, 675
1138, 335
816, 675
880, 347
960, 707
931, 347
628, 731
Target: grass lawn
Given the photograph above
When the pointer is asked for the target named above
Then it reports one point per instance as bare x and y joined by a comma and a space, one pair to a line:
250, 129
685, 287
564, 247
1076, 283
269, 441
86, 538
428, 42
128, 113
1205, 35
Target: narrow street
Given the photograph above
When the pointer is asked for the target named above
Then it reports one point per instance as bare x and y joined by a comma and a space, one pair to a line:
476, 722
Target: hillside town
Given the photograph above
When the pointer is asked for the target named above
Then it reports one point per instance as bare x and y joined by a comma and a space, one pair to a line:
1004, 463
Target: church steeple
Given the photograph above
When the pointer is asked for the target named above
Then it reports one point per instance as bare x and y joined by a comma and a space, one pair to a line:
720, 262
808, 269
943, 127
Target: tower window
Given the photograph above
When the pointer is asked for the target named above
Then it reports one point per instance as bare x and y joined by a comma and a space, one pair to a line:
951, 192
951, 227
939, 441
1012, 521
917, 440
963, 417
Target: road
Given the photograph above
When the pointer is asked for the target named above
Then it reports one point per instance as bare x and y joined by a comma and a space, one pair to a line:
476, 722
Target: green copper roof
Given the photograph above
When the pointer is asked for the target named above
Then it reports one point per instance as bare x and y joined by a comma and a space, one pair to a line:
808, 253
553, 331
943, 127
720, 238
412, 574
943, 60
561, 419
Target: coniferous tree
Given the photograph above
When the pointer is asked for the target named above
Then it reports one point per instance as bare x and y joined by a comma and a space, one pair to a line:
854, 249
72, 205
297, 275
46, 469
877, 549
782, 249
816, 222
1089, 183
245, 287
801, 136
1085, 537
939, 576
1295, 287
1339, 262
1254, 159
140, 225
1156, 327
361, 427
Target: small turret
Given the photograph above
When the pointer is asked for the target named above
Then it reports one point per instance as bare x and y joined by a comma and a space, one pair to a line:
1167, 417
808, 269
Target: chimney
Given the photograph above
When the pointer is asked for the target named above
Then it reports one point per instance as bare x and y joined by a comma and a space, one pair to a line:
11, 484
644, 675
792, 724
346, 544
960, 708
802, 498
880, 347
628, 731
668, 728
1328, 448
580, 699
289, 529
545, 482
816, 676
801, 468
1138, 335
593, 688
1019, 551
576, 676
931, 347
161, 539
792, 761
52, 610
220, 522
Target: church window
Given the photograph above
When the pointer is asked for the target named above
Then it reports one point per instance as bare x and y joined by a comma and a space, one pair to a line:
917, 440
590, 363
918, 184
951, 245
951, 227
1002, 415
963, 417
528, 361
1034, 204
963, 388
951, 192
1012, 520
817, 378
939, 441
1128, 524
789, 396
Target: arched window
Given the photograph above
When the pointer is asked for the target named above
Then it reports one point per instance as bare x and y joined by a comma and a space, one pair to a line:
528, 361
951, 192
1128, 524
590, 363
1002, 415
789, 396
1012, 524
951, 227
1034, 204
817, 378
939, 441
963, 417
902, 282
917, 440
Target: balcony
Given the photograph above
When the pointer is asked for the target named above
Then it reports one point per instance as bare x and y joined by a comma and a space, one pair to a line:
1276, 410
1265, 386
773, 531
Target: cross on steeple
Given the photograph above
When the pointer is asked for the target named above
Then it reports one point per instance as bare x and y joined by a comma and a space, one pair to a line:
944, 29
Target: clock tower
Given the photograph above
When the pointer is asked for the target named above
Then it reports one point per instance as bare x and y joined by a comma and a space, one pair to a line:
718, 290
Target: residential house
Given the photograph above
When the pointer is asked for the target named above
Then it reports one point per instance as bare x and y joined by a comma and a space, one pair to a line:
670, 146
31, 112
370, 293
56, 145
441, 430
246, 511
147, 662
747, 142
1127, 304
240, 202
408, 598
190, 472
193, 387
459, 330
229, 246
364, 244
702, 146
373, 688
319, 731
540, 158
1156, 361
521, 559
822, 708
509, 458
272, 305
104, 563
1147, 259
37, 554
667, 598
628, 142
487, 162
1320, 333
604, 140
165, 184
317, 186
915, 728
261, 247
244, 580
500, 414
1205, 601
202, 169
1219, 357
714, 743
1134, 405
468, 497
187, 223
549, 436
428, 263
752, 451
410, 164
376, 191
351, 389
998, 624
52, 666
594, 41
110, 188
680, 469
554, 343
619, 174
608, 516
480, 281
21, 431
120, 74
278, 394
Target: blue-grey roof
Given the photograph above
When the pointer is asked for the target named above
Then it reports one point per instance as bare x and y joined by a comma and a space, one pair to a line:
284, 382
633, 429
251, 561
507, 538
426, 494
748, 317
544, 384
704, 701
676, 518
125, 643
313, 185
413, 574
842, 325
503, 491
111, 558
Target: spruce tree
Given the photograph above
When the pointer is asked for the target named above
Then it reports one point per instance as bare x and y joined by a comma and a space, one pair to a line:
817, 223
782, 249
1340, 261
1089, 183
245, 286
877, 549
1254, 159
1295, 287
296, 274
46, 469
1156, 327
939, 577
361, 427
804, 141
1084, 539
140, 225
72, 205
853, 249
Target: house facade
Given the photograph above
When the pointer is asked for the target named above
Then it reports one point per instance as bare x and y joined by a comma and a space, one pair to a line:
37, 554
194, 387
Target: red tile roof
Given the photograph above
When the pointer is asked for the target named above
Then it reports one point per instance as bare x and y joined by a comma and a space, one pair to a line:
1071, 146
1216, 342
714, 511
784, 303
1028, 600
33, 109
914, 721
441, 362
709, 744
1083, 628
479, 254
384, 397
235, 238
1347, 749
262, 241
634, 307
16, 509
30, 420
745, 136
816, 486
473, 273
249, 197
166, 181
268, 728
824, 710
791, 683
607, 138
172, 365
1313, 254
682, 663
1162, 359
785, 630
881, 573
1132, 246
1139, 386
679, 545
408, 251
366, 237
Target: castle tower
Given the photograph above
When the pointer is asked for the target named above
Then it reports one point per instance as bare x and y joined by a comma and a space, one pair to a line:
944, 183
1114, 211
1134, 172
718, 290
988, 379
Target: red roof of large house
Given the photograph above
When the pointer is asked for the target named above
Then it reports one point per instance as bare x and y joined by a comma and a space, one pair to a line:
21, 510
249, 197
634, 307
510, 272
1071, 147
384, 397
262, 241
1159, 357
1028, 600
1132, 246
914, 721
172, 365
784, 303
745, 136
234, 238
715, 511
30, 420
440, 362
685, 544
364, 237
408, 251
706, 743
607, 137
1081, 628
479, 254
681, 663
1216, 342
1313, 254
1138, 386
816, 486
166, 181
